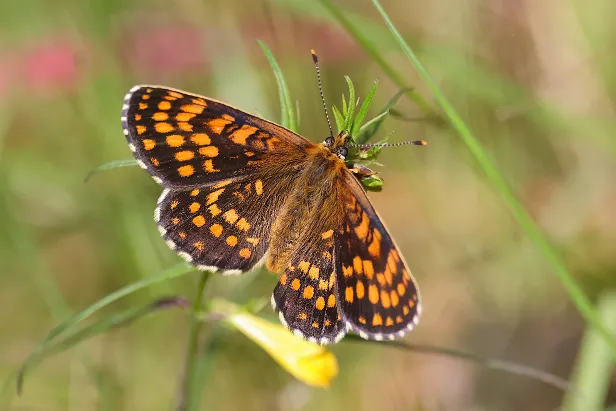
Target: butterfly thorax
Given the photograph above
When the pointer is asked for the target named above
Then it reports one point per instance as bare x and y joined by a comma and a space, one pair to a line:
309, 212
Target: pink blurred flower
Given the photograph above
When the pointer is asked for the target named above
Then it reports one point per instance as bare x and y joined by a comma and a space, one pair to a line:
164, 50
50, 65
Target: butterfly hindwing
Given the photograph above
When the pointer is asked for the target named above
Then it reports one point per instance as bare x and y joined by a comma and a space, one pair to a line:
185, 140
224, 227
305, 297
378, 296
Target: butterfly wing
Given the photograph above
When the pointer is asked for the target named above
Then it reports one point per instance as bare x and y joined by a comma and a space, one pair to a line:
378, 297
305, 297
185, 141
224, 170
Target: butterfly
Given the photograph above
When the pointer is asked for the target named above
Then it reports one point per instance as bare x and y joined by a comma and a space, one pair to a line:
241, 191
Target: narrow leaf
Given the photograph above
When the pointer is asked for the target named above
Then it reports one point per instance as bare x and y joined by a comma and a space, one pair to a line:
338, 118
286, 105
348, 120
363, 110
110, 166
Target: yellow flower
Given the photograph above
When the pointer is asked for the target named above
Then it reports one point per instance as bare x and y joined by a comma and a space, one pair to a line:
309, 363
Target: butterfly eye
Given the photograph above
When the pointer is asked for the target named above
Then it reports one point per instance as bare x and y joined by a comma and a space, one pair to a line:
343, 151
329, 141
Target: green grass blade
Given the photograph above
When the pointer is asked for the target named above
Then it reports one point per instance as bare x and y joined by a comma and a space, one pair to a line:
348, 120
372, 127
534, 233
117, 320
110, 166
338, 118
363, 110
372, 51
491, 363
593, 371
176, 271
286, 105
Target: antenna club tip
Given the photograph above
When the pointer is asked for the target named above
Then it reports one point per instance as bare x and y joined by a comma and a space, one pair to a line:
421, 143
314, 55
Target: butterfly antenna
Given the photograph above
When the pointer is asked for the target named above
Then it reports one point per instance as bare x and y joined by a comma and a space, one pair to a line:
316, 66
402, 143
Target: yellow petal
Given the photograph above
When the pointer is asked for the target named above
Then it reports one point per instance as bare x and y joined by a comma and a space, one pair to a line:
310, 363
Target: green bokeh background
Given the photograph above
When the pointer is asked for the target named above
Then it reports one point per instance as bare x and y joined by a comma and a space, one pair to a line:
534, 80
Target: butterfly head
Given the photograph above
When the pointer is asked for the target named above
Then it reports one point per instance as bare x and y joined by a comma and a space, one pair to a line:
338, 144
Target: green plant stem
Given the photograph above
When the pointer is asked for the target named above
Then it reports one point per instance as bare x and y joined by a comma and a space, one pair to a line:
533, 231
594, 365
375, 56
189, 390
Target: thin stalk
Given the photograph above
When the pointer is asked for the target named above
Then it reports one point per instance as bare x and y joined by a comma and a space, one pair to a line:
189, 390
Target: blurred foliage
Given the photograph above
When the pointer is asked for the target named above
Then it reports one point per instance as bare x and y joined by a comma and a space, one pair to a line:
535, 82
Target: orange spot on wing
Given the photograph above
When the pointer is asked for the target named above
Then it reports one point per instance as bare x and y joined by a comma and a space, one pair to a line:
192, 108
137, 117
184, 126
302, 316
200, 139
308, 292
175, 140
175, 94
323, 286
347, 271
327, 234
401, 289
295, 284
259, 187
141, 129
175, 220
348, 294
377, 320
304, 266
199, 101
373, 294
359, 289
315, 324
194, 192
164, 105
209, 151
143, 106
405, 310
362, 229
213, 196
231, 240
385, 301
380, 278
214, 210
245, 253
217, 125
283, 279
240, 136
149, 144
184, 117
184, 155
357, 265
174, 204
160, 116
155, 161
216, 230
186, 171
208, 165
163, 127
194, 207
253, 241
242, 224
389, 321
331, 301
199, 221
368, 269
230, 216
394, 298
320, 303
398, 319
198, 245
374, 249
313, 273
361, 320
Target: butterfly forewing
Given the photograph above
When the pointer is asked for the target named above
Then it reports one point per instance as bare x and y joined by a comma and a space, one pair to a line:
378, 296
185, 140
